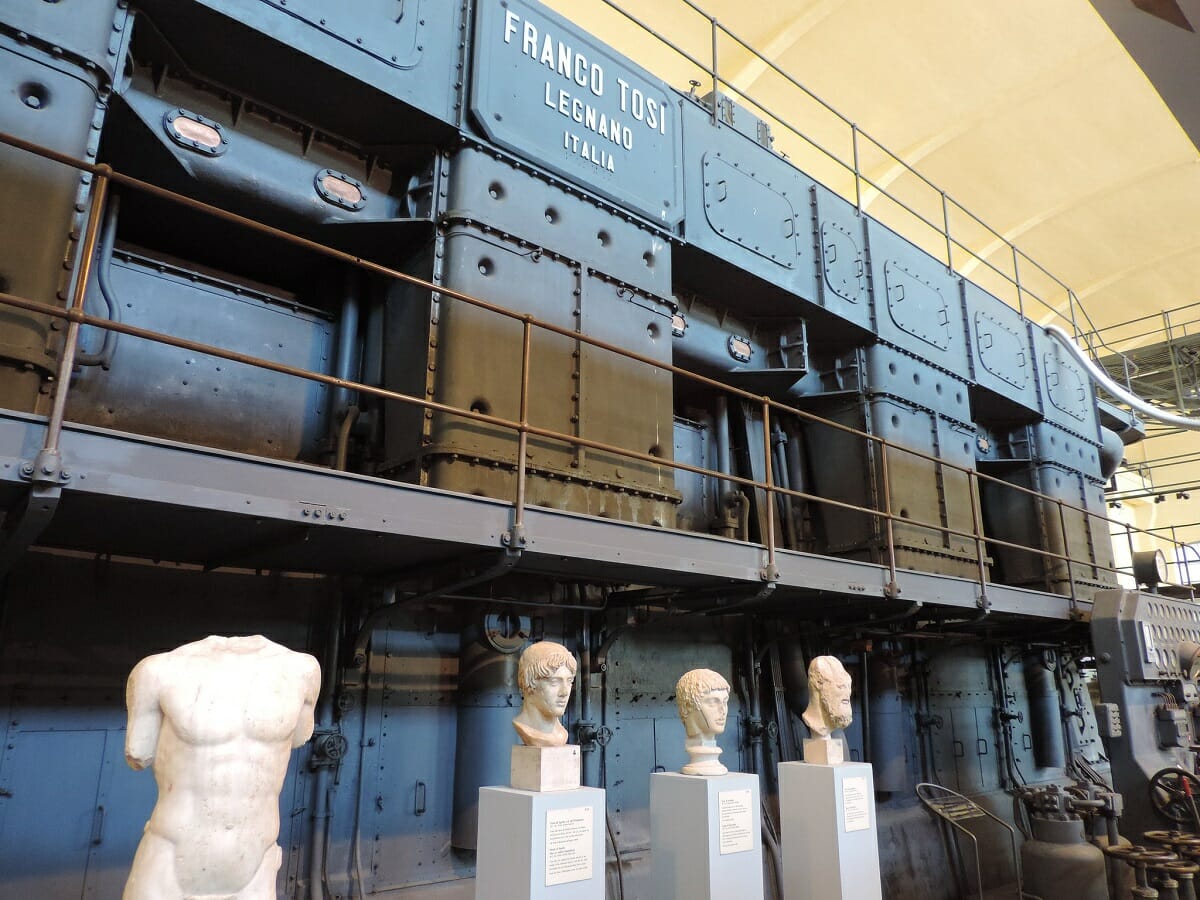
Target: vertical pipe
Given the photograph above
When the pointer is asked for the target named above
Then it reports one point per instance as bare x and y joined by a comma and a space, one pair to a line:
319, 841
783, 477
347, 346
864, 693
752, 700
770, 495
71, 343
886, 738
723, 461
523, 437
796, 481
589, 752
1045, 713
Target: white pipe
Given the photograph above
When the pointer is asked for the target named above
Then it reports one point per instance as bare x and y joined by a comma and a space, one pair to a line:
1102, 379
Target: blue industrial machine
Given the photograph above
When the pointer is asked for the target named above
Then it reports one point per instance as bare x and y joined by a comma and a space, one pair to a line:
406, 332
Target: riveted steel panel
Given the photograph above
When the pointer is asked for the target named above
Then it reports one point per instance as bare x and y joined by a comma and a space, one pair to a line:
1001, 350
747, 211
552, 93
842, 263
55, 104
1020, 518
388, 30
89, 33
841, 247
1001, 354
917, 306
516, 200
365, 70
155, 389
1068, 397
921, 490
892, 373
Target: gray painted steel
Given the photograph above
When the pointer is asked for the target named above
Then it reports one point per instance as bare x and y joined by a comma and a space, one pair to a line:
545, 89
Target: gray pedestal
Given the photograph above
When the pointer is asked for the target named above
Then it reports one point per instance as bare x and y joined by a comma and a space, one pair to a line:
830, 846
705, 837
540, 845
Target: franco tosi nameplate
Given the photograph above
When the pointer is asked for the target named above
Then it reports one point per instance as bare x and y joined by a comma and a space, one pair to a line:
856, 805
736, 821
568, 845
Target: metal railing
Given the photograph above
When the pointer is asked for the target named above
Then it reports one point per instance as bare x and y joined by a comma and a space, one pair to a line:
943, 208
103, 176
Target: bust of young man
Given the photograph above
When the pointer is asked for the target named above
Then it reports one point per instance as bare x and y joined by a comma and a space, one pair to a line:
702, 696
545, 675
217, 719
828, 696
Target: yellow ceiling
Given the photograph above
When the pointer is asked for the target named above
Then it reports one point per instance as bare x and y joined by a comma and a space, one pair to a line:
1030, 113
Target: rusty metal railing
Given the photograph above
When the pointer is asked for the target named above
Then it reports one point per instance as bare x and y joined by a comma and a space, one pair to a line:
76, 316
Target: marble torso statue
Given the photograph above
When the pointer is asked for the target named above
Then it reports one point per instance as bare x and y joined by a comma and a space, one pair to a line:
217, 719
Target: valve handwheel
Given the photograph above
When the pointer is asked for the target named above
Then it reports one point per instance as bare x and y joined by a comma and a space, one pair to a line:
1172, 793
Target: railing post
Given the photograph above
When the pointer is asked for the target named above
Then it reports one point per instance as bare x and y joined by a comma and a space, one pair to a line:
946, 232
893, 586
1071, 301
516, 537
1017, 279
857, 171
771, 573
66, 362
1169, 333
1129, 541
716, 79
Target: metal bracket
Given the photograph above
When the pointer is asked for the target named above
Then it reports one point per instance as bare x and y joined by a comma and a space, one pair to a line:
46, 469
514, 537
769, 573
25, 523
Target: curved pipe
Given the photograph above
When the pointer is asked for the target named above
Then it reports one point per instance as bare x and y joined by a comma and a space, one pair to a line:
108, 238
321, 820
1102, 379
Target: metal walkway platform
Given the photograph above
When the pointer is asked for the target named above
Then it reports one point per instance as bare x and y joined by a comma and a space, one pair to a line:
136, 496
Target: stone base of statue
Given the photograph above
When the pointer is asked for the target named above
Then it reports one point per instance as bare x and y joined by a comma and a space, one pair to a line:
540, 845
830, 847
705, 837
545, 768
824, 751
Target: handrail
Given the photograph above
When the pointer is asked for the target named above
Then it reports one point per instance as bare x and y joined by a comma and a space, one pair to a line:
853, 167
77, 315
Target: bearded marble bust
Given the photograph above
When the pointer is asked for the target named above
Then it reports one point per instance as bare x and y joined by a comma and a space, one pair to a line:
545, 675
702, 696
829, 706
